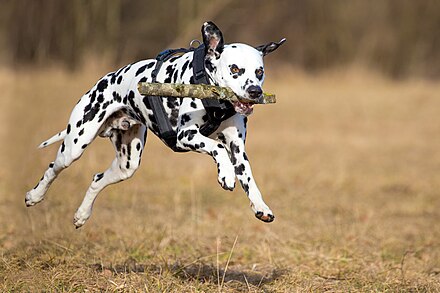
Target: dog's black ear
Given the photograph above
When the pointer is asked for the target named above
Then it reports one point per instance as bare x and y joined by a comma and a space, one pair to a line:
213, 39
270, 47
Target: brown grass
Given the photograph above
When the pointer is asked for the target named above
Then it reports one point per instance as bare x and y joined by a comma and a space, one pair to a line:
348, 161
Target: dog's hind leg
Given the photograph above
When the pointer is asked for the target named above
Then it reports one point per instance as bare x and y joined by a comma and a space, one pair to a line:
84, 124
128, 146
68, 152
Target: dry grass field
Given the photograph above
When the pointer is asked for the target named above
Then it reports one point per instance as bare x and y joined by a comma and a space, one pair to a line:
348, 161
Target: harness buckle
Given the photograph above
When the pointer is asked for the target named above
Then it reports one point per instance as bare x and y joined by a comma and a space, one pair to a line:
219, 115
199, 74
191, 44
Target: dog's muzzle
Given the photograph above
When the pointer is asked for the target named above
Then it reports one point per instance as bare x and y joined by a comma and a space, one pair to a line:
246, 108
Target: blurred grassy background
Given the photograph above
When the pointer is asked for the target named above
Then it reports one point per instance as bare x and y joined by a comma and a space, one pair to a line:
348, 158
396, 37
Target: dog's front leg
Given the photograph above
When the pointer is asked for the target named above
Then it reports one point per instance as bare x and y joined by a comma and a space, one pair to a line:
233, 136
190, 138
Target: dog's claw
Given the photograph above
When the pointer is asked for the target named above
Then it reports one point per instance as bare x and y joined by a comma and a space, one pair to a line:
265, 218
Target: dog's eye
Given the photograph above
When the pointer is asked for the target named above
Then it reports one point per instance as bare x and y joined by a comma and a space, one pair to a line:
235, 69
259, 72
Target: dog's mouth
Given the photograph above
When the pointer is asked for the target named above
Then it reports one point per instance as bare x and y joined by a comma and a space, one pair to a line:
243, 108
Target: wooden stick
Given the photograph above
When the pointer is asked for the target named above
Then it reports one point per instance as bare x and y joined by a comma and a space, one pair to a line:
199, 91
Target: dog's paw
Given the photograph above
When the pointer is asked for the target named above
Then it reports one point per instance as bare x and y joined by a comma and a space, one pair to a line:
81, 218
226, 176
264, 217
31, 200
227, 182
263, 213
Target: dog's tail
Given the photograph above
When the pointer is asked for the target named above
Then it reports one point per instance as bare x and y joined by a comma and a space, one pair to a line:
57, 137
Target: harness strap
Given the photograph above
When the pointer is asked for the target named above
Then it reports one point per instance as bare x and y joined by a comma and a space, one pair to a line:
217, 111
167, 134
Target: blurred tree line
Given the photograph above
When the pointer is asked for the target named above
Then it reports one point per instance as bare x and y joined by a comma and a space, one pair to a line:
397, 37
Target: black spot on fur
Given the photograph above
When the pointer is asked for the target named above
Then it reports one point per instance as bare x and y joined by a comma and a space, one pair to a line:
185, 65
169, 72
171, 103
138, 146
119, 80
118, 72
63, 146
84, 146
245, 187
129, 151
193, 105
141, 69
234, 150
101, 98
117, 97
127, 166
174, 59
101, 116
190, 134
222, 138
134, 106
99, 176
174, 117
185, 118
68, 128
102, 85
143, 79
239, 169
89, 115
78, 124
51, 165
220, 146
75, 140
127, 68
81, 132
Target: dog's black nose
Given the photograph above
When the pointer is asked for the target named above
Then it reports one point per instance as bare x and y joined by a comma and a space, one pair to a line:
254, 91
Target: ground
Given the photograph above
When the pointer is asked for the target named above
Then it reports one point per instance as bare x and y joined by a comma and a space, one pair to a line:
348, 161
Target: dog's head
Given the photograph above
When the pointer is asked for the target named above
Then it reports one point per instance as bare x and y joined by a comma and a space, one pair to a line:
237, 66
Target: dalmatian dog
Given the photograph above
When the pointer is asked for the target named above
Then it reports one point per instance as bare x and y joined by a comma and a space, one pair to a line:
114, 108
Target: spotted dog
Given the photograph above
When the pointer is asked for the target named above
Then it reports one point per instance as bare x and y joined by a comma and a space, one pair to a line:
114, 108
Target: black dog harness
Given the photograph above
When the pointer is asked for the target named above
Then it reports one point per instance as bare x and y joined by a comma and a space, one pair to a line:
217, 111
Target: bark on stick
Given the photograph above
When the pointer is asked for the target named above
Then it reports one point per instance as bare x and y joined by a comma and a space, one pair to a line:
199, 91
